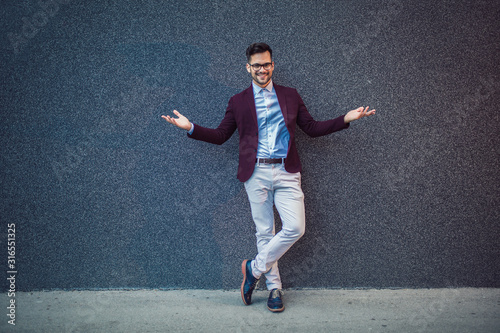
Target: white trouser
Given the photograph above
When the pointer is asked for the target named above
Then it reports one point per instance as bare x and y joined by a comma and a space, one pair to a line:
272, 184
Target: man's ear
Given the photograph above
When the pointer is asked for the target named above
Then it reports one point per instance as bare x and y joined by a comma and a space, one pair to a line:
248, 67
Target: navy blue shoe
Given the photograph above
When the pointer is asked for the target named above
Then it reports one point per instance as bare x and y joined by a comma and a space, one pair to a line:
249, 282
275, 303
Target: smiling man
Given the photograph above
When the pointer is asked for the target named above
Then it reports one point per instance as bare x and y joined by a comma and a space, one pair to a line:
266, 116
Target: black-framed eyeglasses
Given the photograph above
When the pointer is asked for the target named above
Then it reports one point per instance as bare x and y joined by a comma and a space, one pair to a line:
267, 66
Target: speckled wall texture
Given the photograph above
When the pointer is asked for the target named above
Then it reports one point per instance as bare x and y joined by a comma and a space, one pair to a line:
105, 194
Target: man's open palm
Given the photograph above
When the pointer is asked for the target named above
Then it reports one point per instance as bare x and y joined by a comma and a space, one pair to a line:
358, 114
181, 121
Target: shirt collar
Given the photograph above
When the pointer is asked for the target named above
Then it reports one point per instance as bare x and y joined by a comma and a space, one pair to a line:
257, 89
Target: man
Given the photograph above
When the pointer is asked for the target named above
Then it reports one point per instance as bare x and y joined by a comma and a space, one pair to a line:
266, 116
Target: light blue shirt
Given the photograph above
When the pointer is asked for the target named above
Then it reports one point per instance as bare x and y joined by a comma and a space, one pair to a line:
273, 134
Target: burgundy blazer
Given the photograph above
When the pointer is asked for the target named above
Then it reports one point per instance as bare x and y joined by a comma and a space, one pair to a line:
241, 114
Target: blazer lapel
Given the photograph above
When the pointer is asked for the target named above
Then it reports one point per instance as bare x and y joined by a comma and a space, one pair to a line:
251, 104
282, 101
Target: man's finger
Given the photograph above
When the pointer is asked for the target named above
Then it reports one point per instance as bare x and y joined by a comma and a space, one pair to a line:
169, 119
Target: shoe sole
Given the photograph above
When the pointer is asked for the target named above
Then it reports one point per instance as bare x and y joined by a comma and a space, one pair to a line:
244, 271
276, 310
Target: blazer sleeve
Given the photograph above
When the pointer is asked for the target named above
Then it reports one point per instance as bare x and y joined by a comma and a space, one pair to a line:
315, 128
220, 134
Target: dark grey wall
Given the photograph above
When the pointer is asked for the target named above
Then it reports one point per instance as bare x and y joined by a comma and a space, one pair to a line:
105, 194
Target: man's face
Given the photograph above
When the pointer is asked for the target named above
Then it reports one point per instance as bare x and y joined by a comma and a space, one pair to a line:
261, 76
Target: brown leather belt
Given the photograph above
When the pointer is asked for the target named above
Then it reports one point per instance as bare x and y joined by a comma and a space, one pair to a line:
270, 160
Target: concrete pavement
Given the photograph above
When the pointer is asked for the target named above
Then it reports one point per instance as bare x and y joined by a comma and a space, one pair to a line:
405, 310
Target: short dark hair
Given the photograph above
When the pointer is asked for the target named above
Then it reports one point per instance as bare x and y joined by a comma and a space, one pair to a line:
258, 48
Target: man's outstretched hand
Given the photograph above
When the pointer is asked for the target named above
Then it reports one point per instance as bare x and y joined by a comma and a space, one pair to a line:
181, 121
358, 114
